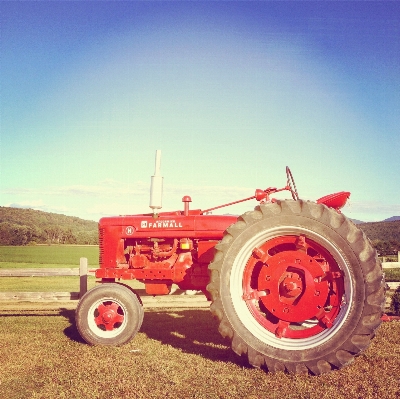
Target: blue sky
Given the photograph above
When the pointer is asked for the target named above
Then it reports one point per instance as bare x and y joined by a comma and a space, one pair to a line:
230, 92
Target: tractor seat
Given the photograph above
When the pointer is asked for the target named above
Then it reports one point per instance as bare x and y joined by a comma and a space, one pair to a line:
336, 200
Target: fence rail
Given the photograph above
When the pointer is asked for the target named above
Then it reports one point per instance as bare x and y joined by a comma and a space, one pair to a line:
83, 274
392, 265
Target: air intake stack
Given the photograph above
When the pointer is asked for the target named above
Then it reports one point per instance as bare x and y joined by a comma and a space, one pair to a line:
156, 187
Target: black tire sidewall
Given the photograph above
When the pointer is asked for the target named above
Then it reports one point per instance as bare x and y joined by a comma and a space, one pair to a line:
342, 246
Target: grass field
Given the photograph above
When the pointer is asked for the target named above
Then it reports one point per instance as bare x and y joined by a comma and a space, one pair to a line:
392, 275
177, 354
47, 256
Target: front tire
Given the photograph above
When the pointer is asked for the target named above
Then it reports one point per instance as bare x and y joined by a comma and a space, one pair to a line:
296, 286
109, 314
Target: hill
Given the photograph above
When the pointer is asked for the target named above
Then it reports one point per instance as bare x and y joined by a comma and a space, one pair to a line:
385, 236
392, 219
19, 226
385, 231
356, 221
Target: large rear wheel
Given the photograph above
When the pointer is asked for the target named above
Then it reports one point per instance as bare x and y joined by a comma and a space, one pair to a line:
296, 286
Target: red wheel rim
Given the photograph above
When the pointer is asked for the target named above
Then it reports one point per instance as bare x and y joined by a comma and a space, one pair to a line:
293, 287
108, 316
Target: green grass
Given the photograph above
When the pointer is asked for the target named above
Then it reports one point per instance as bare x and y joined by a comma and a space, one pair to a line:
45, 256
392, 275
38, 255
14, 265
48, 256
43, 284
177, 354
51, 284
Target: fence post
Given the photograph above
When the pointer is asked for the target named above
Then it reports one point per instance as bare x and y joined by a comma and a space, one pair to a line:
83, 276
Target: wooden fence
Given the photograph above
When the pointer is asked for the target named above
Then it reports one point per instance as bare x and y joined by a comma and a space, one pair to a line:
83, 274
180, 298
392, 265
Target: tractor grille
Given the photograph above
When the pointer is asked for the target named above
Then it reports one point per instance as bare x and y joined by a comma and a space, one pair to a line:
101, 245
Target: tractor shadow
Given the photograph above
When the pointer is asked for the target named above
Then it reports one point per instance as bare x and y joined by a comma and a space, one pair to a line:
71, 331
193, 331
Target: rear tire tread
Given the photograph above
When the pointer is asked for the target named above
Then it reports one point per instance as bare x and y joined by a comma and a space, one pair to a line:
369, 319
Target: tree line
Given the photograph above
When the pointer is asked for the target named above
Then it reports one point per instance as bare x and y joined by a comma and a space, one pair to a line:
385, 236
20, 226
385, 248
27, 227
385, 231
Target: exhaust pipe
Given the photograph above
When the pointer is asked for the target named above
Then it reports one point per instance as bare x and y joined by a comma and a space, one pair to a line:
156, 186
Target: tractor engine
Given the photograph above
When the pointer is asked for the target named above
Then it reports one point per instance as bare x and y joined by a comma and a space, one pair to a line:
159, 262
156, 252
171, 248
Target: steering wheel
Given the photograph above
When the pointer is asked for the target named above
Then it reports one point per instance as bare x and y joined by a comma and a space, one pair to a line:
291, 185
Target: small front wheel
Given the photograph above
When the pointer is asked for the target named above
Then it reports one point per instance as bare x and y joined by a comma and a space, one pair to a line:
109, 314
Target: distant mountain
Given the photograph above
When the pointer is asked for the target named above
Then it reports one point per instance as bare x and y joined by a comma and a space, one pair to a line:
20, 226
356, 221
392, 219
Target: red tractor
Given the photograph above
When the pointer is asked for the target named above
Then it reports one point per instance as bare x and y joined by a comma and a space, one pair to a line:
295, 285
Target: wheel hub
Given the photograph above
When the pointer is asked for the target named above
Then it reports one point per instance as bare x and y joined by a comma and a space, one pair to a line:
291, 287
107, 315
294, 286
